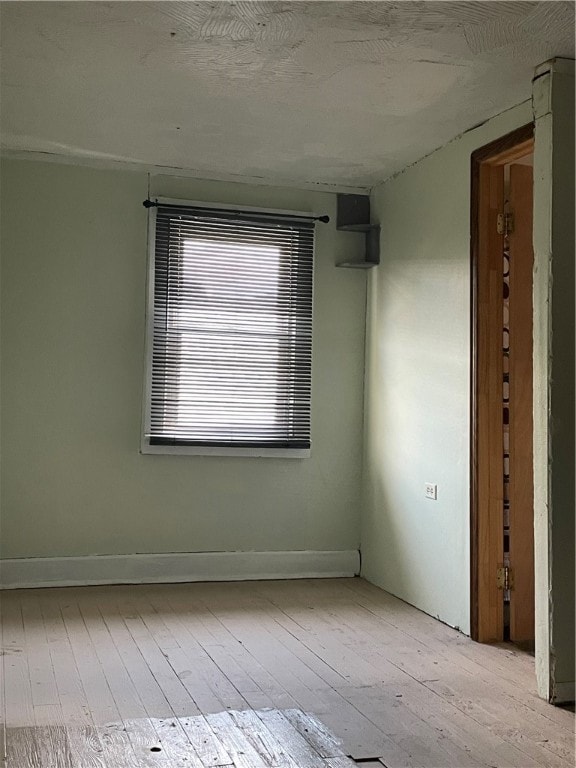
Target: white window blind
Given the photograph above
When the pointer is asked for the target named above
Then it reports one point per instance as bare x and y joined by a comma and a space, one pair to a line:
232, 329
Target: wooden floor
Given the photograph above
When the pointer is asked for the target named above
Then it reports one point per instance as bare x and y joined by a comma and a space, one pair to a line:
293, 674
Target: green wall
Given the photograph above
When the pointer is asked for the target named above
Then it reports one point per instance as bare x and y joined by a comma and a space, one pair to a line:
74, 260
417, 400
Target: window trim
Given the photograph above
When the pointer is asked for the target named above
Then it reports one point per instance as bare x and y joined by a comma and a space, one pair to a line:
197, 450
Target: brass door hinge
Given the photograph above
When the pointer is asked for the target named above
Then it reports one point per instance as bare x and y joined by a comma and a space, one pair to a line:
505, 577
505, 224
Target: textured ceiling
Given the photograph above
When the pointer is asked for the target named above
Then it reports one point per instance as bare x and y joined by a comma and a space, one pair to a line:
342, 93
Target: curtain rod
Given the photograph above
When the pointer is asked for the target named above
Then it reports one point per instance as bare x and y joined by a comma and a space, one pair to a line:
155, 204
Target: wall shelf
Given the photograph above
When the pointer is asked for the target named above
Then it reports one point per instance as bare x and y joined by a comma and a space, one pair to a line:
353, 215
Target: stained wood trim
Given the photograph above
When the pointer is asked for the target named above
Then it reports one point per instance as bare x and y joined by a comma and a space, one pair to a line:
503, 150
521, 397
489, 468
507, 156
496, 153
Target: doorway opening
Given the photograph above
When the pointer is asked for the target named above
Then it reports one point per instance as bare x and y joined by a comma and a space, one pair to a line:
502, 506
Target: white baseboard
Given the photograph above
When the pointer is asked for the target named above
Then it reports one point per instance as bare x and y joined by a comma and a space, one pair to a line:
563, 693
176, 567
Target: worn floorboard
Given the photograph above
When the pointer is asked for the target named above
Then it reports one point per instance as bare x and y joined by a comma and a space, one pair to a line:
286, 674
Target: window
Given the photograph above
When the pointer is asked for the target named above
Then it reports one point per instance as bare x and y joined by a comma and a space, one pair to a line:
229, 332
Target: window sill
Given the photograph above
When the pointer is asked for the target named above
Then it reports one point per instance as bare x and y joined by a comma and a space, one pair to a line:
205, 450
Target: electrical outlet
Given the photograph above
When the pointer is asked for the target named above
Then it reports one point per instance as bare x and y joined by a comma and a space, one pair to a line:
431, 491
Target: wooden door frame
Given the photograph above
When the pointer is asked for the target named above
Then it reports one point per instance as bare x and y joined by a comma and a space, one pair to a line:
504, 150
